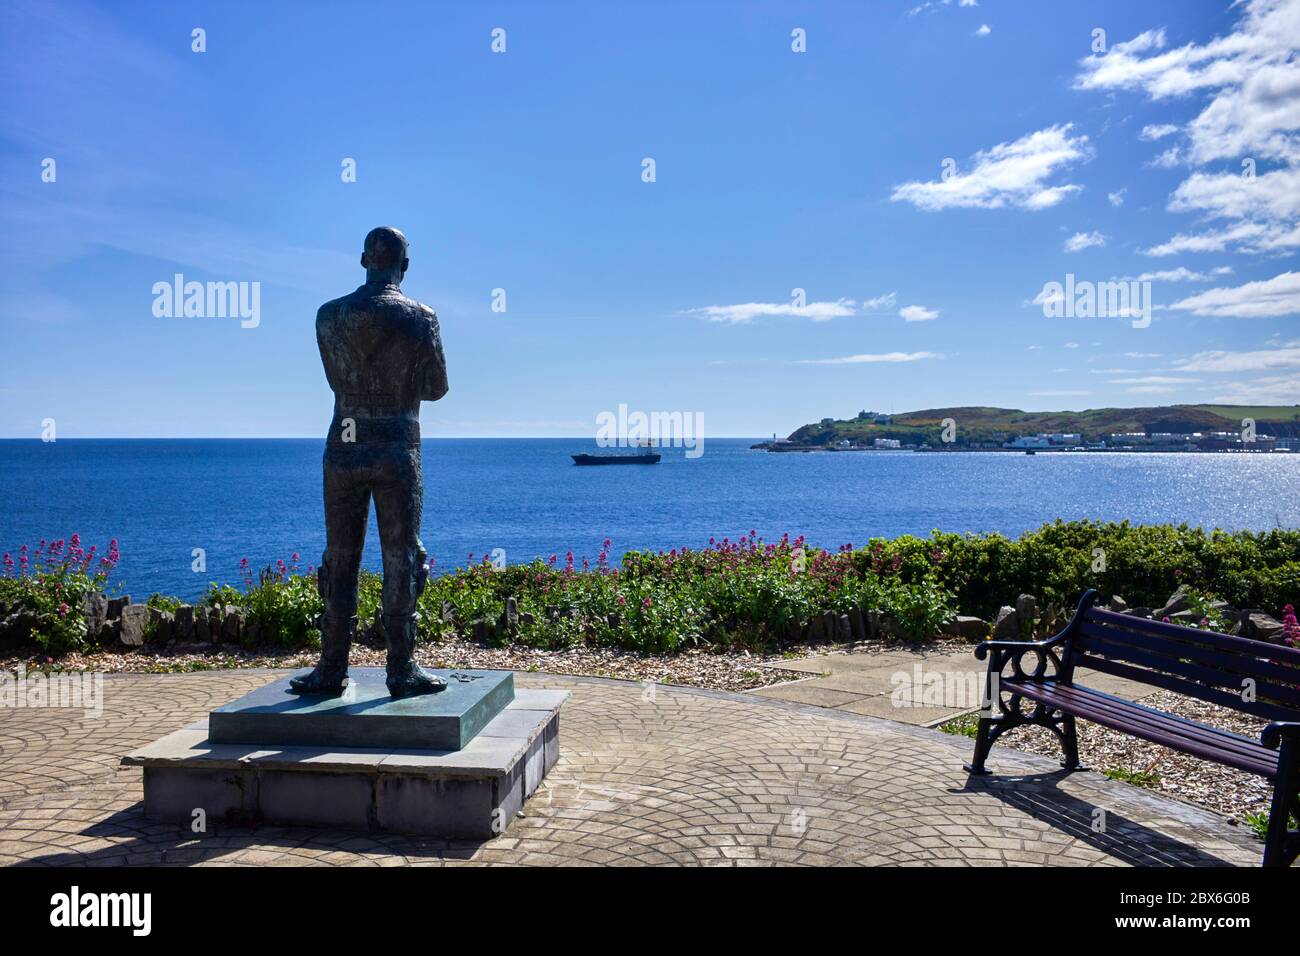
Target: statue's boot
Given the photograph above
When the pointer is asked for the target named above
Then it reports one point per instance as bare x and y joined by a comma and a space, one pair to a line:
405, 677
331, 671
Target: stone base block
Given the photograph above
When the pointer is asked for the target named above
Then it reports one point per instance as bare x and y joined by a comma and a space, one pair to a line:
470, 793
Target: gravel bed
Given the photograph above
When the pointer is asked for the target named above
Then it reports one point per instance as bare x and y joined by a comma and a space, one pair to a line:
732, 670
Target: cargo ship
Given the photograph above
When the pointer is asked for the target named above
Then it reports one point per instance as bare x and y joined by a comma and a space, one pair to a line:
643, 457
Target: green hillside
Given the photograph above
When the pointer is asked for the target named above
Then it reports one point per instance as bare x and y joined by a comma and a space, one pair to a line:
983, 424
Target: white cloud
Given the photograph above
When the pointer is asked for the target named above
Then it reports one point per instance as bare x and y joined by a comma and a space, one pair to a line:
1157, 131
1181, 274
881, 303
1044, 297
918, 313
748, 311
1249, 81
1084, 240
1244, 236
1009, 174
879, 357
1153, 380
1249, 85
1260, 361
1270, 196
1269, 390
1060, 393
1251, 74
984, 30
1116, 198
1071, 345
1150, 390
1143, 354
1260, 116
1279, 295
932, 6
1170, 158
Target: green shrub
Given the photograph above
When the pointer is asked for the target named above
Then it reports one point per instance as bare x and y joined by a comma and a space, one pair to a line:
751, 593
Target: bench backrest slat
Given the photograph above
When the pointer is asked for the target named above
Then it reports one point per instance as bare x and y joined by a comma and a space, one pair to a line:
1201, 664
1226, 642
1195, 661
1212, 695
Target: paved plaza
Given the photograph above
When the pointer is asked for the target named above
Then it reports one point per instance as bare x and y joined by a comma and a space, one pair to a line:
869, 683
648, 775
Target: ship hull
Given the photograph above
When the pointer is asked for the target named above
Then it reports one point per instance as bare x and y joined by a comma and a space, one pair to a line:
615, 459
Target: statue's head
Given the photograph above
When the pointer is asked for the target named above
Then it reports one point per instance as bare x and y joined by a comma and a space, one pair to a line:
384, 254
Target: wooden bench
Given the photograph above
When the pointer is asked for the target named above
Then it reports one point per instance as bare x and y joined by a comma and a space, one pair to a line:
1032, 683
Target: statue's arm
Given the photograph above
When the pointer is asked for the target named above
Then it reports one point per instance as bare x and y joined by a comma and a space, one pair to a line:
432, 382
323, 316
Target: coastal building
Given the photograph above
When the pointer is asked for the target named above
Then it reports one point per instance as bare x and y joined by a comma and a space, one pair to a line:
886, 443
1044, 440
1230, 441
1155, 441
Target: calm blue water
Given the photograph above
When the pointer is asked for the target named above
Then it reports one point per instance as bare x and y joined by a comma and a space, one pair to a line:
262, 498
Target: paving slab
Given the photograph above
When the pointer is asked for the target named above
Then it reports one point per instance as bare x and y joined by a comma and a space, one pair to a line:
851, 681
888, 709
808, 692
690, 777
868, 683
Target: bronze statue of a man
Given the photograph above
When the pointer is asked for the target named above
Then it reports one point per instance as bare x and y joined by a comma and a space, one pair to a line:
383, 356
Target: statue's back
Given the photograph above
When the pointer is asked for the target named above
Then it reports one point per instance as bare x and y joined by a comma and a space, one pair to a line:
382, 351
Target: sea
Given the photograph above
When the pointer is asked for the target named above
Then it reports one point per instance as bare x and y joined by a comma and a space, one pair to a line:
260, 499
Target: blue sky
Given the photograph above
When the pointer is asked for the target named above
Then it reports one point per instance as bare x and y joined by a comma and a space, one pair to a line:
774, 171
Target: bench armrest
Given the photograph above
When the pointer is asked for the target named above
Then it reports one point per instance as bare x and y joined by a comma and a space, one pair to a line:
1019, 647
982, 649
1278, 731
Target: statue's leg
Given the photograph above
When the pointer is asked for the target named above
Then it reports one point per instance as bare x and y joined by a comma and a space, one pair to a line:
347, 506
399, 499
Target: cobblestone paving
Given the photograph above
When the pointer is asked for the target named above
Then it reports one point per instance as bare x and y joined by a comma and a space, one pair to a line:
689, 777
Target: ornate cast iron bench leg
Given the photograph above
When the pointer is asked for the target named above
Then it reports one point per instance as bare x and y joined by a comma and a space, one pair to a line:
1010, 714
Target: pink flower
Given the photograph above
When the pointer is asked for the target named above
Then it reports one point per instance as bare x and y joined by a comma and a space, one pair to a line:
1290, 626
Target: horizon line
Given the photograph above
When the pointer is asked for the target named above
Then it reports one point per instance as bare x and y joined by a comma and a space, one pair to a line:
319, 438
